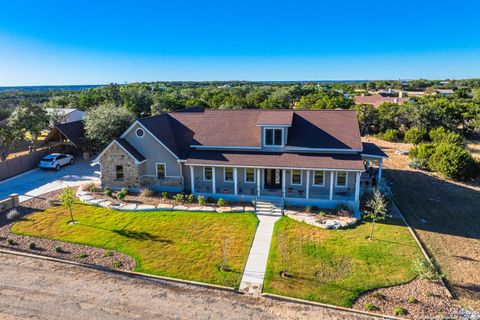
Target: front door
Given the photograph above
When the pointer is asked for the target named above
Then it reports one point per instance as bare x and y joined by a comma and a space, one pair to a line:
273, 179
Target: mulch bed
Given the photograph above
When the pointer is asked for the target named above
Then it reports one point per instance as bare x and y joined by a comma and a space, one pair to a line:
421, 298
46, 247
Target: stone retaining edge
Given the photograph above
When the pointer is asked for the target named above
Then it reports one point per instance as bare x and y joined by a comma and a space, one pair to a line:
422, 248
329, 306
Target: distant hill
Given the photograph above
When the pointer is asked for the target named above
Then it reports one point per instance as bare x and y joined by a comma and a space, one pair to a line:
49, 88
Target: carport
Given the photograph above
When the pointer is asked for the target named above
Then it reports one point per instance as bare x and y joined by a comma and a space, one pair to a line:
71, 136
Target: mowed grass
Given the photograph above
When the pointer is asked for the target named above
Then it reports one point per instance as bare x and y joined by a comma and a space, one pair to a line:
335, 266
186, 245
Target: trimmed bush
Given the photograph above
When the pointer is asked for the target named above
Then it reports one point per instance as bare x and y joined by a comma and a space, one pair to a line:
453, 161
412, 300
371, 307
82, 256
415, 135
420, 155
201, 200
147, 193
32, 246
190, 198
117, 264
108, 254
59, 250
389, 135
92, 187
164, 195
221, 202
11, 242
400, 311
121, 195
125, 191
108, 192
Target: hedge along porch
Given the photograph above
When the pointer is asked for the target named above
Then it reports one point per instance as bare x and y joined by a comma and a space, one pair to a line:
322, 187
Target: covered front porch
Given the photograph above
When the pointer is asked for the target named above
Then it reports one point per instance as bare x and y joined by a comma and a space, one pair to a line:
325, 187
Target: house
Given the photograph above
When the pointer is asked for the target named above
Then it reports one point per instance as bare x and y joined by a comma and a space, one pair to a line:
302, 157
66, 115
444, 92
377, 99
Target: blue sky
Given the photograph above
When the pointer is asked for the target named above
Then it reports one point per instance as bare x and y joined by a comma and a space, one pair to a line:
90, 42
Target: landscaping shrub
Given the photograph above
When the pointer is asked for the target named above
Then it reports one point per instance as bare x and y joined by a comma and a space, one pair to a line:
164, 195
147, 193
201, 200
453, 161
415, 135
11, 242
308, 209
32, 246
420, 155
117, 264
125, 191
343, 210
179, 197
59, 250
190, 198
82, 256
92, 187
371, 307
440, 135
221, 202
121, 195
108, 254
108, 192
389, 135
400, 311
412, 300
12, 214
425, 269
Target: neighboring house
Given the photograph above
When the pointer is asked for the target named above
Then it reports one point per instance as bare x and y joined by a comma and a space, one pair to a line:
66, 115
377, 99
444, 92
313, 157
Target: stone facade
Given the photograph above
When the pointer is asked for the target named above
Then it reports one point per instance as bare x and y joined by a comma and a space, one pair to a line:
168, 183
116, 156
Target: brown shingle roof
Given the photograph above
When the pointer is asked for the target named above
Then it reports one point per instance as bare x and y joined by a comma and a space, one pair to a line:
277, 160
282, 118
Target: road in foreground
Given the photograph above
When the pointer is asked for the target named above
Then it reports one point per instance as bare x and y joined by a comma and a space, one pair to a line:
39, 289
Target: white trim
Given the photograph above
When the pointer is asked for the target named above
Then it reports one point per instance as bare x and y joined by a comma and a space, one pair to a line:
320, 150
224, 172
323, 179
291, 177
264, 137
97, 159
336, 179
245, 176
204, 179
214, 182
262, 167
307, 192
181, 161
150, 133
235, 180
373, 156
331, 185
225, 147
192, 179
258, 172
136, 133
357, 186
164, 169
284, 187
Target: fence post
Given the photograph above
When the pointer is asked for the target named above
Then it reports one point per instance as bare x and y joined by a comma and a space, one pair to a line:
15, 200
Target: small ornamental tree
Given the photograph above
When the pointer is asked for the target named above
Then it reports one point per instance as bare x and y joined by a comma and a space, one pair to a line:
376, 209
67, 199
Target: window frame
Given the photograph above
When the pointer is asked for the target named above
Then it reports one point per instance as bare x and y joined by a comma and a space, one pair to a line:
323, 178
291, 177
164, 170
116, 173
225, 175
211, 173
273, 137
140, 136
254, 176
346, 179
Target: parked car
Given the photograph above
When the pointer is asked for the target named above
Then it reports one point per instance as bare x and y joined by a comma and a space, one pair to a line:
55, 161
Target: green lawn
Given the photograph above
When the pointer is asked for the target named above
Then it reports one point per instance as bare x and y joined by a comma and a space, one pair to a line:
335, 266
186, 245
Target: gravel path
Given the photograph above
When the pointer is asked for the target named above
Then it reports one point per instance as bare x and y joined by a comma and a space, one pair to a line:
36, 289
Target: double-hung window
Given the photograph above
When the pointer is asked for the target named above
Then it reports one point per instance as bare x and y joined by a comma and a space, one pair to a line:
273, 137
160, 171
228, 174
250, 175
341, 179
207, 173
319, 178
119, 173
296, 177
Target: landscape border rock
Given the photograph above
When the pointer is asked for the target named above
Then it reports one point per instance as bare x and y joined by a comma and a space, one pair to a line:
326, 222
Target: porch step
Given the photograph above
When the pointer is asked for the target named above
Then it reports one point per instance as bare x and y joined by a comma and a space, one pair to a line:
271, 208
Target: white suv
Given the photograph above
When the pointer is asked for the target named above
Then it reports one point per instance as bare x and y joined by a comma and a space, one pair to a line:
55, 161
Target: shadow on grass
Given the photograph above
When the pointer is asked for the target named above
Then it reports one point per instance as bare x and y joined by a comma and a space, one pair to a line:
140, 235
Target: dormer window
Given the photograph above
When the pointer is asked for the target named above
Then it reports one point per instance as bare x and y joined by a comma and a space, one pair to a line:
273, 137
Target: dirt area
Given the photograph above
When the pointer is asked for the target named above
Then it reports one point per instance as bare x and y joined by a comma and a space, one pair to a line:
421, 298
445, 216
57, 249
37, 289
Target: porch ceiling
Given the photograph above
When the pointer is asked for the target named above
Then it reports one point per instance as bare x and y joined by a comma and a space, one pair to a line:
277, 160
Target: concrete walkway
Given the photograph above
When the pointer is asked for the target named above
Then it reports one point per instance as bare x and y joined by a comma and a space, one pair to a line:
36, 182
254, 274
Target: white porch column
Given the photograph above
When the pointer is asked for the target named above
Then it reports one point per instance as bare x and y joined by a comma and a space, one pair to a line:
214, 183
283, 183
258, 182
307, 192
357, 186
332, 176
380, 164
192, 179
235, 186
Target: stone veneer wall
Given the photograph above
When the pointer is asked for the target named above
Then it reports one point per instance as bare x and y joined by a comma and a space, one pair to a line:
117, 156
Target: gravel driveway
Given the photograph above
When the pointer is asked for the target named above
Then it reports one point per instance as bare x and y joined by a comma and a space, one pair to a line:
31, 288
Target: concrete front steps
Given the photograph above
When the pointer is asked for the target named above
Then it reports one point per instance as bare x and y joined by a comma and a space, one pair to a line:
269, 207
